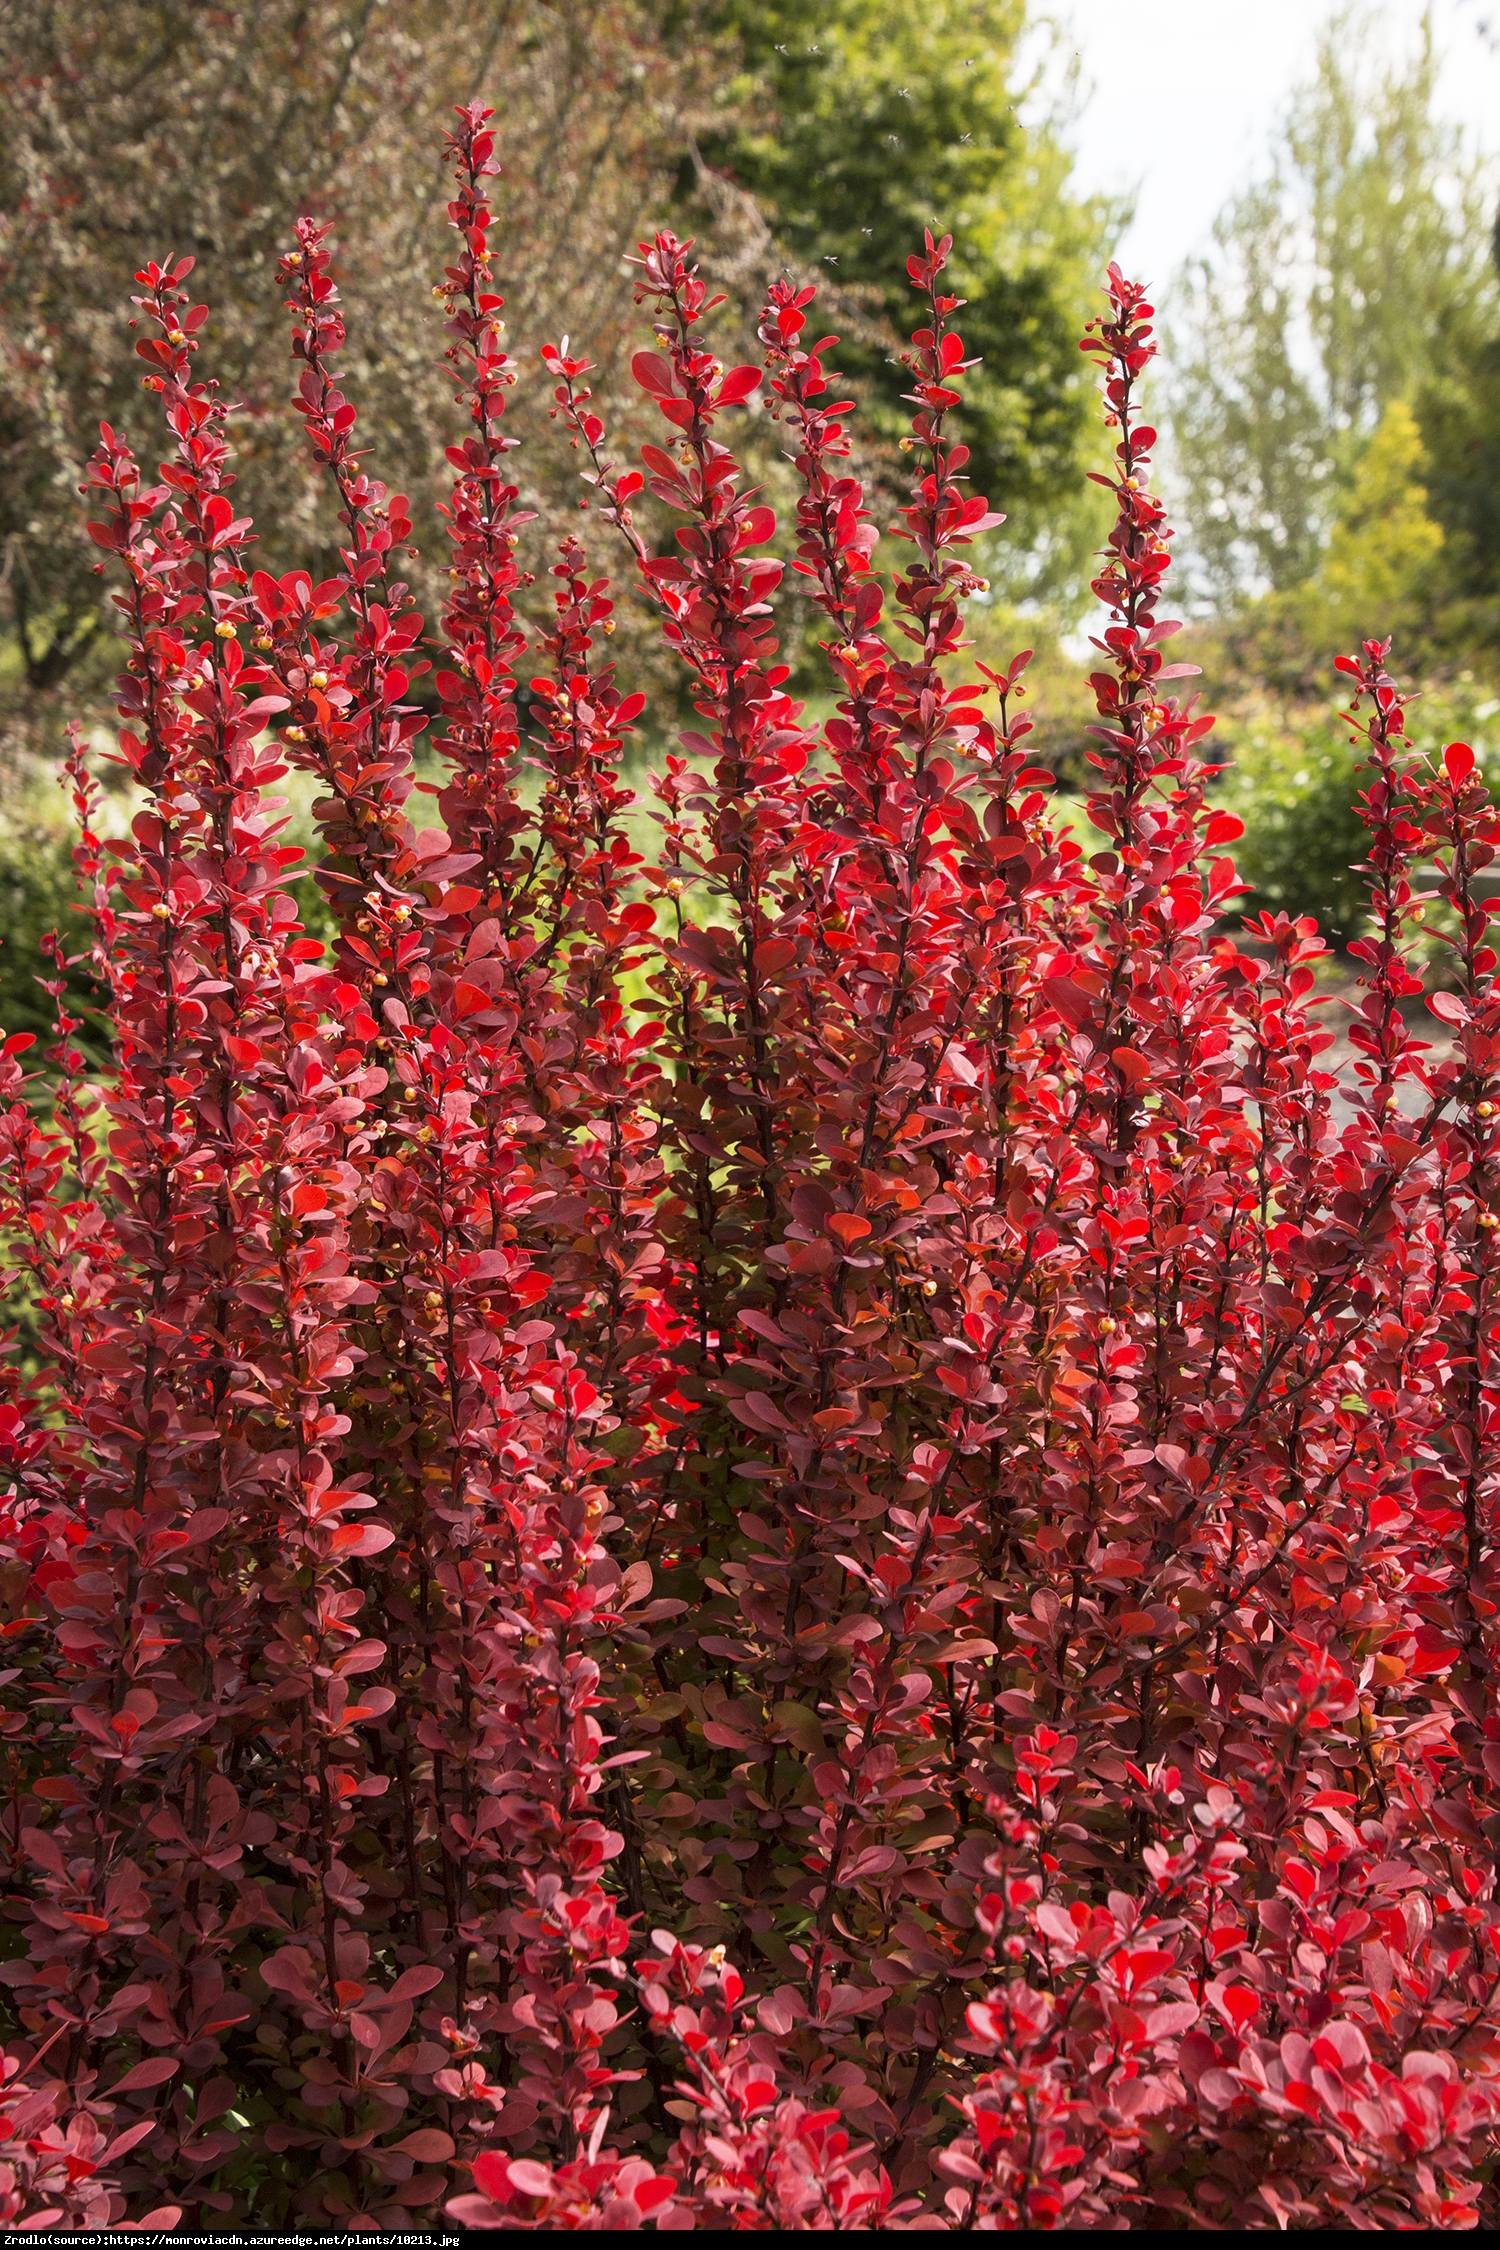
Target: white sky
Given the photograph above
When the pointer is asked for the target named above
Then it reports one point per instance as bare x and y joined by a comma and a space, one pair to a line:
1200, 83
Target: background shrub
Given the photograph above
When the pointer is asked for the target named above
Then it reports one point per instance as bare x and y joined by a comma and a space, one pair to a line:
1293, 778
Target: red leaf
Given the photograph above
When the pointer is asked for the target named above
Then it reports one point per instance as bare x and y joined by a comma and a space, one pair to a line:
653, 373
153, 2072
428, 2145
1070, 1001
360, 1539
737, 384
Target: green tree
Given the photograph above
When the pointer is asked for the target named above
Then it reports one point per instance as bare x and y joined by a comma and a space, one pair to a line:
1378, 571
1329, 292
860, 133
1458, 404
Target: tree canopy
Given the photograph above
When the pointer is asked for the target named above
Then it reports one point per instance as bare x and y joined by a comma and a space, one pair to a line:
1355, 273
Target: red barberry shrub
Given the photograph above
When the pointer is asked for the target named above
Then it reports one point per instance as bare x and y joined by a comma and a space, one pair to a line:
795, 1529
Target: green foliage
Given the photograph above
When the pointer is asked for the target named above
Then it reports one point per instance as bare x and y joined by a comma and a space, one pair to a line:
38, 888
1382, 571
1294, 777
1458, 405
1382, 548
1293, 783
866, 135
1250, 441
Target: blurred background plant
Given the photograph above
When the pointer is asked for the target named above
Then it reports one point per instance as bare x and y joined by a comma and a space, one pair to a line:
1334, 406
1293, 777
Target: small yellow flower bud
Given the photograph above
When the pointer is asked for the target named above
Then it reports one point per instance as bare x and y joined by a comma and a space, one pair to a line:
225, 630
